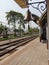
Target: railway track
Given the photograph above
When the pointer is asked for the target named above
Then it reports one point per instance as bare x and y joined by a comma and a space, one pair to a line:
8, 47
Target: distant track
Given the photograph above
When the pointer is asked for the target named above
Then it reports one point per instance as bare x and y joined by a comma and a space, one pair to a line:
8, 47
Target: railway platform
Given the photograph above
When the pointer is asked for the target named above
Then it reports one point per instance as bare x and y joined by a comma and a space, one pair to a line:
34, 53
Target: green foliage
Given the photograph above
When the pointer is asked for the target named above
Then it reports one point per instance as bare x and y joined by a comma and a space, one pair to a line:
1, 28
2, 39
33, 30
12, 18
36, 30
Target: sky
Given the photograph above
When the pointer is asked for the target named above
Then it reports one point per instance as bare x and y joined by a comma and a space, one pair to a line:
7, 5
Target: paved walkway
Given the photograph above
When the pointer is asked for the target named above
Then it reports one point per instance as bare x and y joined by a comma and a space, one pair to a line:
34, 53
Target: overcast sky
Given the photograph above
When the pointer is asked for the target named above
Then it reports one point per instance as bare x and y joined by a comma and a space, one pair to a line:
7, 5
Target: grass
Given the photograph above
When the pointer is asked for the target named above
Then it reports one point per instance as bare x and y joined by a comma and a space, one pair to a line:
2, 39
11, 37
14, 37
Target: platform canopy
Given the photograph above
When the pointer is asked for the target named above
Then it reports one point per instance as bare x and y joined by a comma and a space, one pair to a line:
43, 18
22, 3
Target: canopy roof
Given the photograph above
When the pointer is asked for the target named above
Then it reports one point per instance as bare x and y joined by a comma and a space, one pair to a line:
22, 3
43, 18
44, 15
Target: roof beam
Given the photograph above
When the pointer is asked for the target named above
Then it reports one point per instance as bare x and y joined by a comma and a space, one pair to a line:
21, 3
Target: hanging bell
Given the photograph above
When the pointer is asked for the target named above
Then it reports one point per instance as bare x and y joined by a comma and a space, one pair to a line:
28, 16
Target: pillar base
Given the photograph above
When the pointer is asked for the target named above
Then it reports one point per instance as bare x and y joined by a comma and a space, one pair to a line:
47, 44
48, 62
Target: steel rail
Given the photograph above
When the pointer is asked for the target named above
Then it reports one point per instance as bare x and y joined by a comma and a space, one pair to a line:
15, 45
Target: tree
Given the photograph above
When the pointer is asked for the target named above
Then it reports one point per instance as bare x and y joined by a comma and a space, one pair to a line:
1, 28
5, 32
30, 30
12, 18
21, 22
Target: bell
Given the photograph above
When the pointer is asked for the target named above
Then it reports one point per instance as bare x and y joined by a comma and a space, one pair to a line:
31, 17
35, 18
28, 16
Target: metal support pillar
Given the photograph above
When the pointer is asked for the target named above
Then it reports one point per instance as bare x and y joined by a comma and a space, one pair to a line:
48, 27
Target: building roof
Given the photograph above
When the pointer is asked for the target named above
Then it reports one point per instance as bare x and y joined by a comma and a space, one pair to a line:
22, 3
